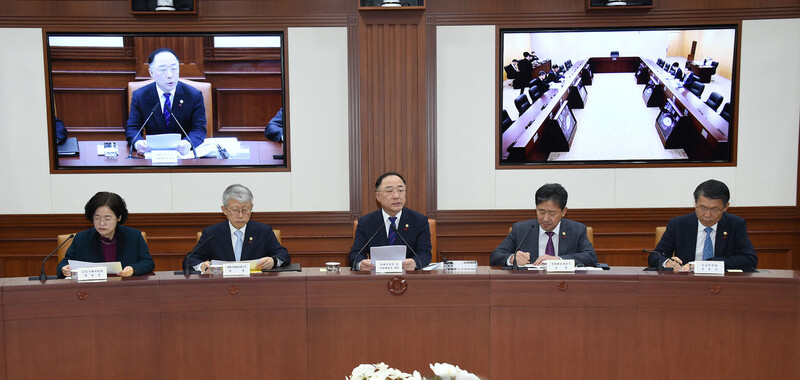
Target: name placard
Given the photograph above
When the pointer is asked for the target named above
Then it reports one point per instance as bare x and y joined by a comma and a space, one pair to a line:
560, 266
461, 265
164, 157
92, 274
709, 267
237, 269
389, 266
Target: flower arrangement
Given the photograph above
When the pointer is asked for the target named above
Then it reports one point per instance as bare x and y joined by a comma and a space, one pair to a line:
381, 371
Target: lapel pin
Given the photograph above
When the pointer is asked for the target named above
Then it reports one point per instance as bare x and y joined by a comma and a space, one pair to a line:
250, 241
724, 234
563, 235
180, 103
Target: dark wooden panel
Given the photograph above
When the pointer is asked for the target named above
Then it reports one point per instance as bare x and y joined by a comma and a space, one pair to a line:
246, 110
89, 110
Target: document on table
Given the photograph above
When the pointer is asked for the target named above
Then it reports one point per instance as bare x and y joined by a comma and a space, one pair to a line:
113, 267
253, 263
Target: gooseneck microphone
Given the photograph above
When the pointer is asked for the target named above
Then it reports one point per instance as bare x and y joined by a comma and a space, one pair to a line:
514, 265
131, 148
186, 268
391, 225
660, 265
355, 259
182, 130
42, 276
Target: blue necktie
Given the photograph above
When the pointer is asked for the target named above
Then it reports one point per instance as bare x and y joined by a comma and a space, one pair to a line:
708, 248
237, 249
167, 106
392, 235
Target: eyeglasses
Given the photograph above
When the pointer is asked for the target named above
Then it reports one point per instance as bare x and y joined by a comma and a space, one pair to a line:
243, 211
163, 69
390, 190
704, 209
107, 219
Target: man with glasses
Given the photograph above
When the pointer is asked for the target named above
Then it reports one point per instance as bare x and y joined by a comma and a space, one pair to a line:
239, 238
393, 224
708, 234
167, 99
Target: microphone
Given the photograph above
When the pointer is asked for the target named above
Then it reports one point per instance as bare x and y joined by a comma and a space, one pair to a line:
514, 265
662, 254
133, 140
186, 269
391, 225
182, 130
43, 277
355, 259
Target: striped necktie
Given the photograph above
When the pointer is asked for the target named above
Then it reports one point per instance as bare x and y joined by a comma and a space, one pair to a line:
392, 235
167, 107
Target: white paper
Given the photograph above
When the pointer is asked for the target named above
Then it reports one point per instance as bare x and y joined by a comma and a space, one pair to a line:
113, 267
388, 252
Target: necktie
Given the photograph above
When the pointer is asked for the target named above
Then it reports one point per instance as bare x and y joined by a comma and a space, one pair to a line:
392, 235
550, 249
167, 106
237, 249
708, 248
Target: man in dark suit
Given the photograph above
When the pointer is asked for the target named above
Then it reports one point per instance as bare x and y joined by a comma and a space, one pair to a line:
708, 234
393, 224
166, 95
554, 75
548, 237
525, 72
239, 238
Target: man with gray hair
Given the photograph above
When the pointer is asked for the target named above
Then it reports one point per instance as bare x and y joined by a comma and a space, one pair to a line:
239, 238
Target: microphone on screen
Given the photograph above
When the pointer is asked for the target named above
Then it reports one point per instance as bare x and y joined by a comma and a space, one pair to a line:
418, 261
355, 259
133, 140
186, 269
42, 276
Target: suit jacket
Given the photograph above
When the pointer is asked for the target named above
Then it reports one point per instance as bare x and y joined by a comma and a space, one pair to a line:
274, 129
187, 106
525, 74
573, 243
259, 241
412, 226
731, 244
131, 250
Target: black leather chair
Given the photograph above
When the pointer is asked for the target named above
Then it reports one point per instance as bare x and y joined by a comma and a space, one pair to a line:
522, 103
505, 121
679, 74
535, 93
614, 53
697, 88
672, 70
726, 112
714, 101
714, 64
659, 62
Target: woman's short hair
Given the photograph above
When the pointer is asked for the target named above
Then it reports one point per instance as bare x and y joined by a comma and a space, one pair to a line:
237, 192
105, 198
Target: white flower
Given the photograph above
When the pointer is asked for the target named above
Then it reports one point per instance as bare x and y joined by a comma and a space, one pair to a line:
444, 369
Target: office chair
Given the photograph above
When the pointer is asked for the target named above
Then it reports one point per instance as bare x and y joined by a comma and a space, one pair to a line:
726, 112
522, 103
672, 70
714, 101
505, 121
614, 53
535, 93
697, 88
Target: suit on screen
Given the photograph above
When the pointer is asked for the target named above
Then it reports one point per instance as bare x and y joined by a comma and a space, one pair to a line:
187, 106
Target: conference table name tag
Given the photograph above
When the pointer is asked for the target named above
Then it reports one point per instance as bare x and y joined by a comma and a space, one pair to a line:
389, 266
163, 157
559, 266
461, 265
236, 269
709, 267
98, 273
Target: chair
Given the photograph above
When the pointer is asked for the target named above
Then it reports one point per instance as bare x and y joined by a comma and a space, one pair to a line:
431, 226
673, 70
63, 250
203, 87
277, 235
679, 74
726, 112
659, 62
505, 121
659, 233
714, 64
614, 53
697, 88
522, 103
666, 65
714, 101
535, 93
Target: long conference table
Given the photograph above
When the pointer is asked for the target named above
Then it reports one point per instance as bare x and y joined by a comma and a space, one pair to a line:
624, 323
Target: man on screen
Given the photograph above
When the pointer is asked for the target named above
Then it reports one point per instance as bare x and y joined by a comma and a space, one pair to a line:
168, 100
707, 234
239, 238
393, 224
548, 237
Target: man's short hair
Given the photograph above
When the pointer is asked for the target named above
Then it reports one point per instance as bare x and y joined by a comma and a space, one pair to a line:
513, 60
525, 54
158, 51
238, 193
713, 189
552, 192
541, 72
384, 175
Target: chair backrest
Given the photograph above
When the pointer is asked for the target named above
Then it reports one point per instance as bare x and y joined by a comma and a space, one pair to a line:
277, 235
522, 103
590, 235
697, 88
659, 233
714, 100
534, 93
431, 226
614, 53
203, 87
63, 250
726, 112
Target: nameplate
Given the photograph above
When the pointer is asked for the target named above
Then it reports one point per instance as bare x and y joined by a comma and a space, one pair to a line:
461, 265
92, 274
558, 266
389, 266
237, 269
164, 157
709, 267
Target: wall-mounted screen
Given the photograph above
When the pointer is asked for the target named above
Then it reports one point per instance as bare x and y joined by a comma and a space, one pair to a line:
201, 102
611, 68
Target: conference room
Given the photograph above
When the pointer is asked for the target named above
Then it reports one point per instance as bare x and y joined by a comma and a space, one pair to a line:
416, 90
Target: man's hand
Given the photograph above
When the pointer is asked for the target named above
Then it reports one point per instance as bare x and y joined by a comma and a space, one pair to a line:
265, 263
544, 258
366, 265
127, 272
184, 146
204, 266
676, 264
409, 265
141, 147
523, 258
